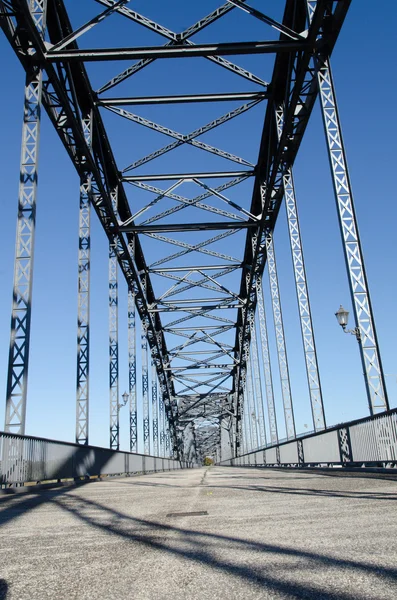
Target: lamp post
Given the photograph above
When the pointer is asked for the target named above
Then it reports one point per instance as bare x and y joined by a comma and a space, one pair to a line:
342, 316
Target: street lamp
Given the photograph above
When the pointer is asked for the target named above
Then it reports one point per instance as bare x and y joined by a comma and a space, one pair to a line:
342, 316
125, 397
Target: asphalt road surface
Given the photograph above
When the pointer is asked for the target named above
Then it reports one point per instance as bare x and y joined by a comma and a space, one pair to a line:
264, 534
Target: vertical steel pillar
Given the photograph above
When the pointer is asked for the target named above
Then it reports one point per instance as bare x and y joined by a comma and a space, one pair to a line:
18, 361
155, 411
255, 412
83, 303
306, 323
258, 386
245, 447
281, 349
368, 343
162, 424
251, 407
145, 394
167, 442
113, 343
271, 409
132, 372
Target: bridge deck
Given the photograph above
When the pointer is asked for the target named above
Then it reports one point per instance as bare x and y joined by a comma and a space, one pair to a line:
268, 534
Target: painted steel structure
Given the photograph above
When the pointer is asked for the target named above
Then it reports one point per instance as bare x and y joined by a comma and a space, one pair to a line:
201, 304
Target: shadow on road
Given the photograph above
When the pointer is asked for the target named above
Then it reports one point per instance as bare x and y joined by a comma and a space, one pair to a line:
207, 548
239, 557
3, 589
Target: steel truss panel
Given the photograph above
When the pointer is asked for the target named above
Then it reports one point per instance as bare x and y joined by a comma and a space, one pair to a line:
145, 393
155, 412
83, 309
161, 425
271, 409
18, 362
113, 347
132, 372
260, 415
368, 343
309, 346
280, 339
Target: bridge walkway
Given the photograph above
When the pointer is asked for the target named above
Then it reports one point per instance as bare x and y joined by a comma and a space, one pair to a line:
268, 534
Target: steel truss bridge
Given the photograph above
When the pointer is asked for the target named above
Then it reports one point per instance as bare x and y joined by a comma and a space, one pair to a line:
194, 244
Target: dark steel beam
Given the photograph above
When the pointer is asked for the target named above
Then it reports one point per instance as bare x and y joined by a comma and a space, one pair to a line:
196, 268
187, 227
182, 99
236, 48
169, 176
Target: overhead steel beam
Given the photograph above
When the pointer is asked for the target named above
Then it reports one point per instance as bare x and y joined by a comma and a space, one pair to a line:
187, 226
185, 176
194, 268
182, 99
236, 48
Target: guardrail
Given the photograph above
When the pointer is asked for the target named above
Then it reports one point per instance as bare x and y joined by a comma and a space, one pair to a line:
371, 441
27, 459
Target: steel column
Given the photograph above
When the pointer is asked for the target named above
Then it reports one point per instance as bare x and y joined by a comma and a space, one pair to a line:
281, 349
168, 449
132, 372
271, 409
257, 384
18, 362
246, 438
162, 424
368, 343
155, 412
113, 343
145, 394
83, 306
306, 323
251, 406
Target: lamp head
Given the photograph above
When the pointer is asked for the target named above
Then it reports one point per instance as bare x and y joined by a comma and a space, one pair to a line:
342, 316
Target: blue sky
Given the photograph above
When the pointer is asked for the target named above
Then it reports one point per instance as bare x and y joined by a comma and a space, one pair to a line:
364, 73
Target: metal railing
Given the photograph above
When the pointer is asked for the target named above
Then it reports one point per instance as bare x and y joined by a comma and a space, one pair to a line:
371, 441
30, 459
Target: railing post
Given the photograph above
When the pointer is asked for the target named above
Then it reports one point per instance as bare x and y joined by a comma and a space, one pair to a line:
345, 448
301, 456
